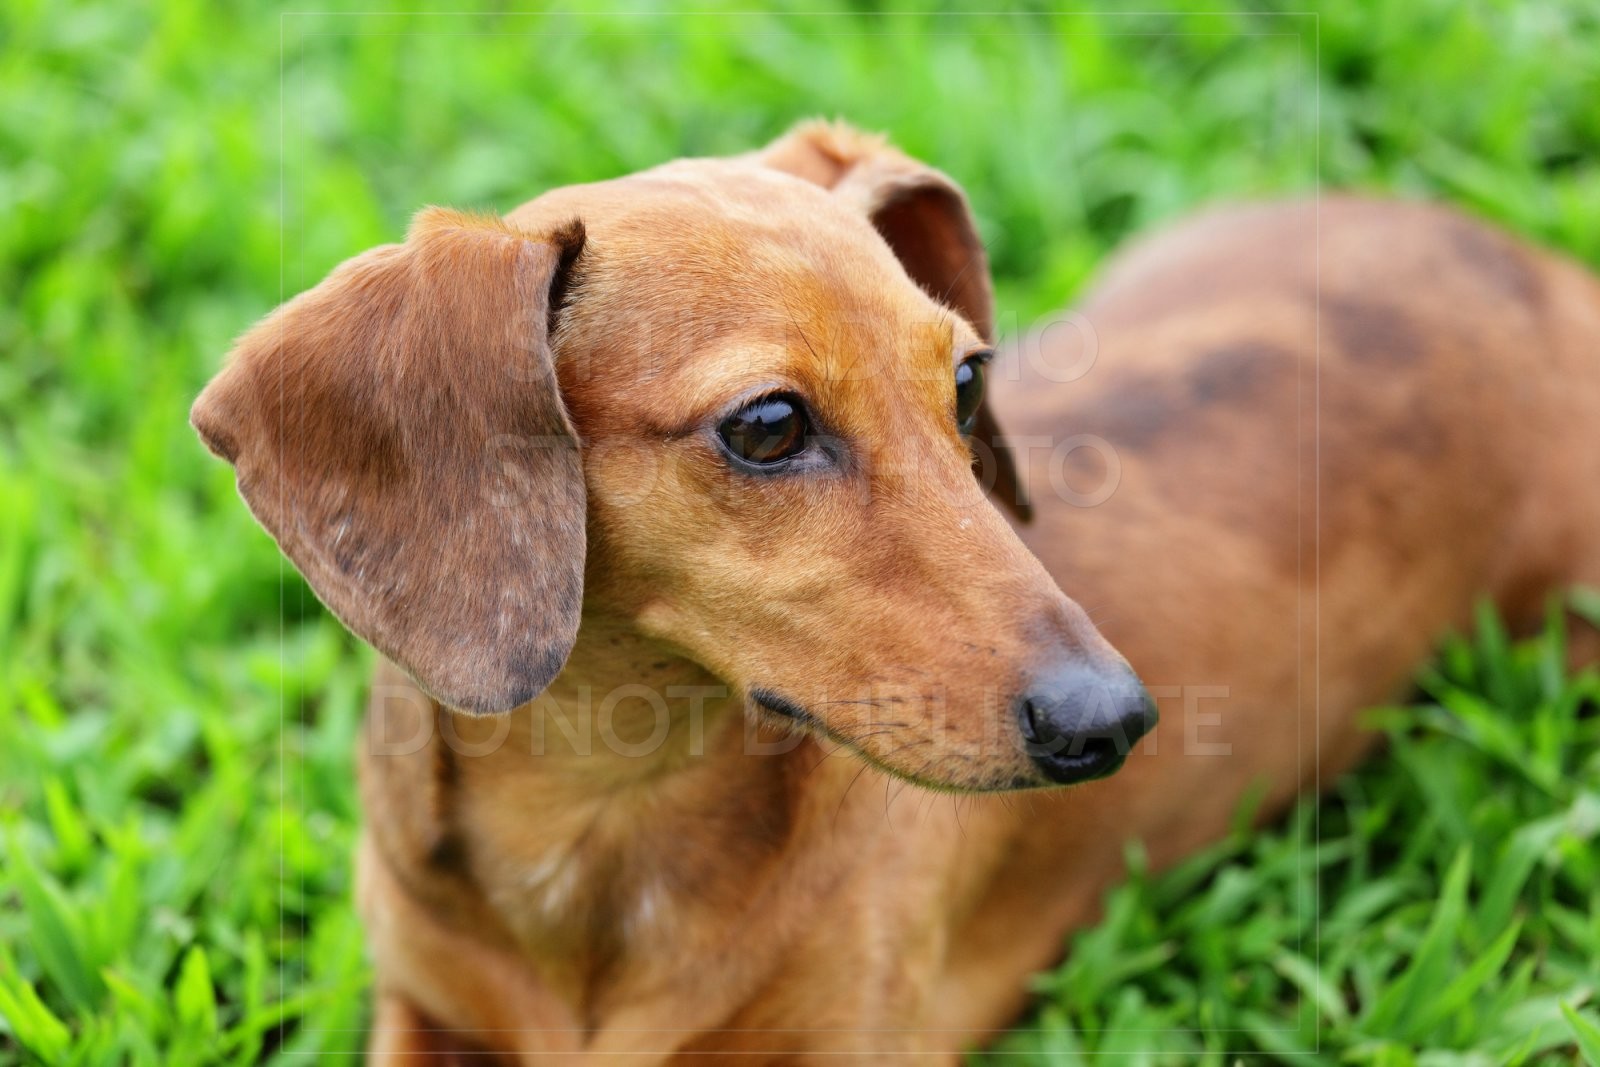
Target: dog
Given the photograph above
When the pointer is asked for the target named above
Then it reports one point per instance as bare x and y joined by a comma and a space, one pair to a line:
729, 580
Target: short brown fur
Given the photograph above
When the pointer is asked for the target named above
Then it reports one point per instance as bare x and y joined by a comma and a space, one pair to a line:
490, 450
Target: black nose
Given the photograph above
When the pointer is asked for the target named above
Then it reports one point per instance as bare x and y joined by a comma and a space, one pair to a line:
1080, 721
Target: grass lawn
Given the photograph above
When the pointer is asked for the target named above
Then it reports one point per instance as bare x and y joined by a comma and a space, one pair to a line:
177, 712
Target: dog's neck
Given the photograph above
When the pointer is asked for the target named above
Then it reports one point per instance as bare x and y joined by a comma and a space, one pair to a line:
610, 852
625, 808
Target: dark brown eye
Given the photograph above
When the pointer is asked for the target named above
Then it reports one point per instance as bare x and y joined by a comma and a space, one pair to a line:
969, 392
767, 431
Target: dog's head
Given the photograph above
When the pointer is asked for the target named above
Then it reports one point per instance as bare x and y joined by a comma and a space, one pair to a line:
735, 402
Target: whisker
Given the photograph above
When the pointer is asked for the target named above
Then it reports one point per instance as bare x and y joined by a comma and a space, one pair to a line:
955, 809
846, 795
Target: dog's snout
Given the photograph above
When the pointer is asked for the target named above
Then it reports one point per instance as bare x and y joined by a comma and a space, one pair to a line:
1080, 721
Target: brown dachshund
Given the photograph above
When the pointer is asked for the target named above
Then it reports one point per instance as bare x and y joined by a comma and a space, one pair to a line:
709, 662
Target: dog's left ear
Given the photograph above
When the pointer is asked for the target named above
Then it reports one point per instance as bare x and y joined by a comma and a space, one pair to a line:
924, 217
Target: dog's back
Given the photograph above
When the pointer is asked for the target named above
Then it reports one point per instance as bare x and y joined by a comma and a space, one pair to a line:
1388, 403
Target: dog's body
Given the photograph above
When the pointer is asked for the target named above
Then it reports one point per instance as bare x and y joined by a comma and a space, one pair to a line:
1284, 519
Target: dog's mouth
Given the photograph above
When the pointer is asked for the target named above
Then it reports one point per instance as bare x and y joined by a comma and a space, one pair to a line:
785, 708
862, 745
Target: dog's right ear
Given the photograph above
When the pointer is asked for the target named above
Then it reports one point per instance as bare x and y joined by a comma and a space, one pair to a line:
924, 218
400, 433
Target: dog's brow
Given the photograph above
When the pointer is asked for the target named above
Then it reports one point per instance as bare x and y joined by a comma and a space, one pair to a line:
956, 335
967, 350
711, 383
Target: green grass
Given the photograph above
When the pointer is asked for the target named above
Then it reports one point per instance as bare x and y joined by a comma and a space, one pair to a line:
177, 713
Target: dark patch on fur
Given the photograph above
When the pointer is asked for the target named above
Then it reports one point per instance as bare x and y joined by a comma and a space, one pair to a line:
1420, 436
997, 469
1135, 413
1371, 332
348, 541
767, 825
1233, 372
447, 853
446, 772
530, 674
572, 239
1497, 260
1142, 409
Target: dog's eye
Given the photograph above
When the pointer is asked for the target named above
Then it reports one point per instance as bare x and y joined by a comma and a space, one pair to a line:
969, 391
766, 431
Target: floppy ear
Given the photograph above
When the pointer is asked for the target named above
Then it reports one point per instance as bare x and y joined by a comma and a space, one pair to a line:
924, 217
399, 431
